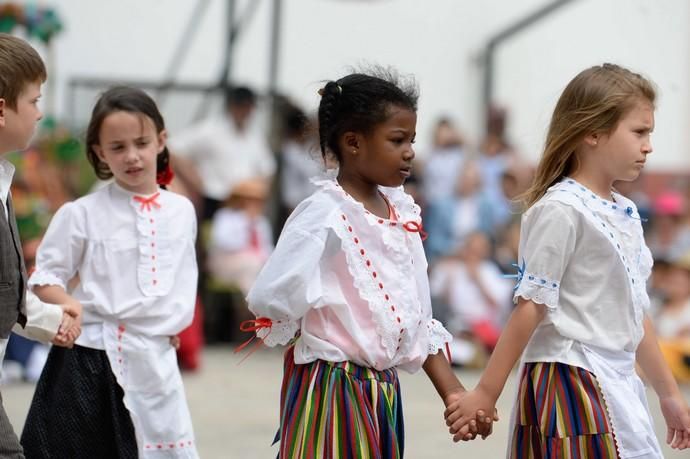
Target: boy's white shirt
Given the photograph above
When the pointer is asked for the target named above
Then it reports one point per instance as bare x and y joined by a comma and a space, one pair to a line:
42, 319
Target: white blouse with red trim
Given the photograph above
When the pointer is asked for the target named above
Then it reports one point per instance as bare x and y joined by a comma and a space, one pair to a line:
134, 256
353, 284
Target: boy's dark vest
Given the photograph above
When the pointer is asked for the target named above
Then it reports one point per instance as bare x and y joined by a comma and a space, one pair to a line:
12, 272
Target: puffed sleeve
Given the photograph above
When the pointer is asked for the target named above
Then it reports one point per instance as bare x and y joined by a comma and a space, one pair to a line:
288, 285
61, 250
547, 240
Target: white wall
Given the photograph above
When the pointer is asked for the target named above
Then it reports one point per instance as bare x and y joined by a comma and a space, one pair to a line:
439, 41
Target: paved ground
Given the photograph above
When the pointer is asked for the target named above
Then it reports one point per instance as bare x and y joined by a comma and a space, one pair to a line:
235, 410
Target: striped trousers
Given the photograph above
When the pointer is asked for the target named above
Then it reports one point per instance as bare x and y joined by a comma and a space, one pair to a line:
339, 410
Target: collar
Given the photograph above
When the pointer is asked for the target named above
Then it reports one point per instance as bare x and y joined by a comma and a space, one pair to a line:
140, 202
619, 207
7, 170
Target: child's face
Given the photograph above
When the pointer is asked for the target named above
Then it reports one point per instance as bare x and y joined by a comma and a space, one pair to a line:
385, 156
678, 283
622, 153
129, 145
19, 124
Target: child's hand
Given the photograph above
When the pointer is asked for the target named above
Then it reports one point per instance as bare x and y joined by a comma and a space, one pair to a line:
74, 309
677, 416
175, 342
69, 331
462, 413
451, 399
485, 427
70, 327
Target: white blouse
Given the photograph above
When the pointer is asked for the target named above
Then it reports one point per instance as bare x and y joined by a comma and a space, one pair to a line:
355, 285
585, 259
134, 264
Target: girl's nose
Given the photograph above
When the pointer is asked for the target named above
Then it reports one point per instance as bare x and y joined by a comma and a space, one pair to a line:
132, 155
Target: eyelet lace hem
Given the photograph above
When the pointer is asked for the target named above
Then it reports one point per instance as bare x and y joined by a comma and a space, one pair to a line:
438, 337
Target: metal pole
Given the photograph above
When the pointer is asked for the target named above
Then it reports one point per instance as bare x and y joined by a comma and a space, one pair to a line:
182, 48
273, 65
492, 44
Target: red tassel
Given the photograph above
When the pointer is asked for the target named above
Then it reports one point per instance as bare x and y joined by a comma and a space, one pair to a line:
254, 326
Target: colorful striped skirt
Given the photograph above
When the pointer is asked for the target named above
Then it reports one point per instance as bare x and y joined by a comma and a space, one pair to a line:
560, 413
339, 410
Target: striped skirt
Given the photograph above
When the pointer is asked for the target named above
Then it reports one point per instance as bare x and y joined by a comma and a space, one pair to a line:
560, 413
339, 410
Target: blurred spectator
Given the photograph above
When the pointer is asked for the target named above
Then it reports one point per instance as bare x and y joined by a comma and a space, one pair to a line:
496, 156
241, 237
442, 168
476, 296
673, 318
508, 242
451, 219
212, 157
668, 235
298, 165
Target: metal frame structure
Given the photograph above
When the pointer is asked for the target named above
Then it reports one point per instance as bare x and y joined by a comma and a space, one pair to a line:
503, 36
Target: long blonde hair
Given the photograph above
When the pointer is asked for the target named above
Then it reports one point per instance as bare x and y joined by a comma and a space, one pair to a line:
593, 102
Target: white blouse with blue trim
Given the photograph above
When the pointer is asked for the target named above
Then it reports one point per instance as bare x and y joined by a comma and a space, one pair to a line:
585, 259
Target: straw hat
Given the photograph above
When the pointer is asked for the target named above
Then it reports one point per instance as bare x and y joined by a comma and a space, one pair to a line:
254, 188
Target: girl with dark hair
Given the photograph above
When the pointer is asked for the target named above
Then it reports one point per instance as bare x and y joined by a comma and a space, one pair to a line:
347, 287
130, 245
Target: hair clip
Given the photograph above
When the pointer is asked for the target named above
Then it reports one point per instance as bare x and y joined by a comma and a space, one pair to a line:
322, 91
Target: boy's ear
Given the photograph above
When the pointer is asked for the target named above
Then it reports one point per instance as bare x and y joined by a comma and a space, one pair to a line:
162, 140
3, 109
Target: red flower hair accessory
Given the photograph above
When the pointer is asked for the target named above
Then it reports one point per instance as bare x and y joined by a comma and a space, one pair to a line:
165, 176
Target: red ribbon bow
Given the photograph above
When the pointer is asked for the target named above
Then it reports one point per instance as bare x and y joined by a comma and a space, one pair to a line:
165, 176
253, 325
416, 227
148, 203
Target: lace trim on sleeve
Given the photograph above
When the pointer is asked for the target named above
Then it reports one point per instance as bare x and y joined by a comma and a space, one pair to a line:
438, 336
280, 333
539, 289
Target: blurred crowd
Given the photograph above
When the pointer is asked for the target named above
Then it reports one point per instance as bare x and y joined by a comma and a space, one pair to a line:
245, 181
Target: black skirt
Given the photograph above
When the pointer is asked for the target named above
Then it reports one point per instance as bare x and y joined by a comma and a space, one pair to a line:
77, 410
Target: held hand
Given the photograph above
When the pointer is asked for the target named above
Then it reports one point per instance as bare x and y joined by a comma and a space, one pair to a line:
450, 399
485, 427
74, 309
68, 332
462, 413
677, 416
